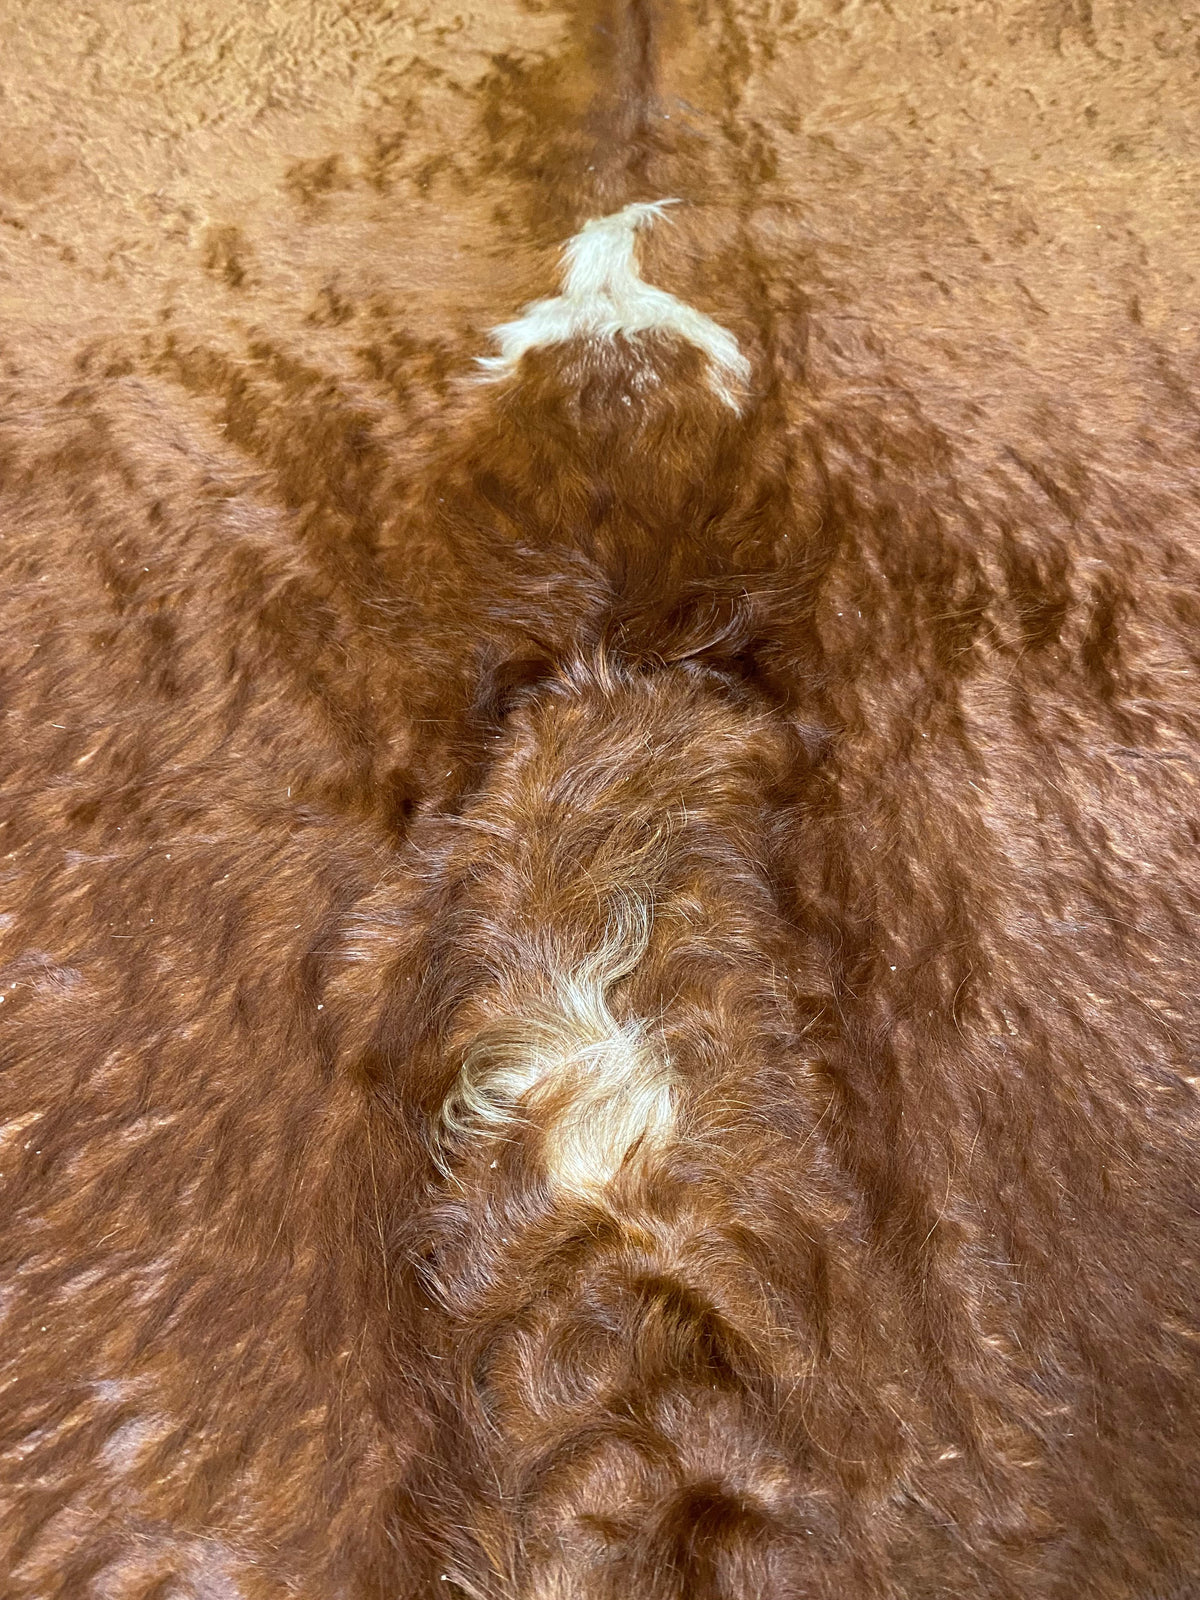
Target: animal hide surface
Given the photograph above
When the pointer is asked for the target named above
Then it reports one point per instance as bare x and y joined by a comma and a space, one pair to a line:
599, 950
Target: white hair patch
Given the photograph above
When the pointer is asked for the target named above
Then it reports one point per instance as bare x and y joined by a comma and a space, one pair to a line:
604, 295
600, 1090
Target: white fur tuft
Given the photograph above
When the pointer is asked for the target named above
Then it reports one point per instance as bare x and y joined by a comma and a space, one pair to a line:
603, 295
600, 1089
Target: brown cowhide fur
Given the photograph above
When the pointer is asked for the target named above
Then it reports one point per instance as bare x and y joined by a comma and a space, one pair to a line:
804, 787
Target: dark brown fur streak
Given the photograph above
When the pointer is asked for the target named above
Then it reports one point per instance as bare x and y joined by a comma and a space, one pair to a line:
598, 801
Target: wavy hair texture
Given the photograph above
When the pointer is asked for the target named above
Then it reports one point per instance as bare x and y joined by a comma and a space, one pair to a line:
598, 951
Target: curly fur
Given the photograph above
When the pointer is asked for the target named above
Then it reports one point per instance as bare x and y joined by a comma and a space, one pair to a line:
598, 987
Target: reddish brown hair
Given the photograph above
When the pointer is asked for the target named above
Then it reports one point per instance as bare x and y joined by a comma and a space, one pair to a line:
598, 966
